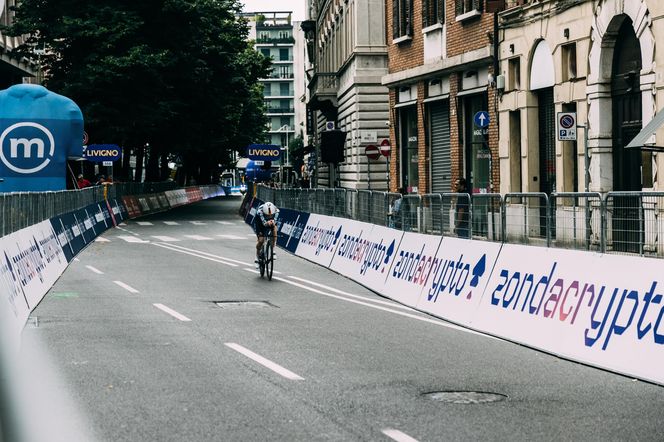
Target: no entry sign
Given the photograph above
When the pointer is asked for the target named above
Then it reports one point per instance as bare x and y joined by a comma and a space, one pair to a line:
385, 148
372, 152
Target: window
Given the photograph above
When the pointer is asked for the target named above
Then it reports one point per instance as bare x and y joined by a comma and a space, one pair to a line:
285, 121
468, 8
514, 72
568, 53
284, 89
433, 12
515, 151
265, 52
283, 54
402, 18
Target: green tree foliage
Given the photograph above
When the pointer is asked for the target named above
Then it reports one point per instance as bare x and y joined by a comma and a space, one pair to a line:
177, 74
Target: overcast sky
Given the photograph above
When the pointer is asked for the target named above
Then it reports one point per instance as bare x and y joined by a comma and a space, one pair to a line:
296, 6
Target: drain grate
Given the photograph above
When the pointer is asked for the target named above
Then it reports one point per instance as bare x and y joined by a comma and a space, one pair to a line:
244, 304
465, 397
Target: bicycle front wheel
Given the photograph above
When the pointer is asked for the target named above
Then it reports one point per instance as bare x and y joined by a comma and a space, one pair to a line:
269, 260
261, 263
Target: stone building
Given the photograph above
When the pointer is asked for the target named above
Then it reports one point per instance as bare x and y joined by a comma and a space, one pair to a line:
348, 58
12, 71
443, 105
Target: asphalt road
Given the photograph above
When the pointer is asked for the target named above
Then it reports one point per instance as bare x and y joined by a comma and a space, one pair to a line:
163, 331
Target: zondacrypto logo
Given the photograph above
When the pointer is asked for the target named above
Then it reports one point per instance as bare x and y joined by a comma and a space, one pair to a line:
370, 254
320, 238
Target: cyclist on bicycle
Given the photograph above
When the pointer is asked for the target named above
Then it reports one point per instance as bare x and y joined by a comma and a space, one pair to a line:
266, 218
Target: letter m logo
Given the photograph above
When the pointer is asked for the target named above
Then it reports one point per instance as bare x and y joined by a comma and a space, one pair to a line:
27, 147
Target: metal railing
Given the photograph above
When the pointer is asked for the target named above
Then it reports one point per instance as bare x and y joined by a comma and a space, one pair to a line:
22, 209
615, 222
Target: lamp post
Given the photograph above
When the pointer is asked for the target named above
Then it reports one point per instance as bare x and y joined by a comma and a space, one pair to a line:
286, 128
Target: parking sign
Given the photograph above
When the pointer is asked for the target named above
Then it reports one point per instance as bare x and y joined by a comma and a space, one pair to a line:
566, 126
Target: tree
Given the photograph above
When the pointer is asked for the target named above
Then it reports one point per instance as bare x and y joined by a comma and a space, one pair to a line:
177, 74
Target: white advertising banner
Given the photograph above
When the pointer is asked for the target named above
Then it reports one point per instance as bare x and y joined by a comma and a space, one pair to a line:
412, 263
459, 275
367, 256
604, 310
320, 239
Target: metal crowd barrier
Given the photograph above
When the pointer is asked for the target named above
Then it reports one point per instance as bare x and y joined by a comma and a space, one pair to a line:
22, 209
616, 222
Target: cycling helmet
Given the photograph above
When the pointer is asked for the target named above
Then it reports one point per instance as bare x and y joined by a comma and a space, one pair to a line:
269, 209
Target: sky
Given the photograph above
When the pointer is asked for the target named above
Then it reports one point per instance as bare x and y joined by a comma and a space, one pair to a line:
297, 6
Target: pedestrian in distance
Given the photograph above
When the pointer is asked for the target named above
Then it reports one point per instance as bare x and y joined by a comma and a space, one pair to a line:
462, 218
82, 182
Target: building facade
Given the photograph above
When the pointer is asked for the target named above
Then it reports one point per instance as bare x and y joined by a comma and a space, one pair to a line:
12, 71
282, 40
442, 95
347, 60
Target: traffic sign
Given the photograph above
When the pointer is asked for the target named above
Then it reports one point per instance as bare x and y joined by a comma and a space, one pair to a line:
481, 119
264, 152
372, 152
385, 148
102, 152
85, 138
566, 126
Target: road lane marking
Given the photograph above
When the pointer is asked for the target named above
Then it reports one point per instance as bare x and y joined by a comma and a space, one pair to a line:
202, 254
132, 239
198, 237
165, 238
102, 239
398, 435
341, 292
144, 223
122, 224
95, 270
231, 237
264, 362
198, 223
172, 312
171, 223
377, 307
128, 288
226, 223
173, 248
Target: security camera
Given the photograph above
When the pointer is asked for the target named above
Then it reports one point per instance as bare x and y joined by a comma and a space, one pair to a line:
387, 123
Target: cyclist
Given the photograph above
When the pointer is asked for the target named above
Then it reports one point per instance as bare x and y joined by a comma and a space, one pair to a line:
266, 218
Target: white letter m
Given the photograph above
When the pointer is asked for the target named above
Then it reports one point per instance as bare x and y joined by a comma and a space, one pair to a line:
27, 147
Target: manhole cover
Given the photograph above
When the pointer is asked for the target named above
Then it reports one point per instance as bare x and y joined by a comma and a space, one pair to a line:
244, 304
465, 397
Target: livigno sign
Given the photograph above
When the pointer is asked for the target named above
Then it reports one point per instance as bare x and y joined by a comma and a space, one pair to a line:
263, 152
102, 152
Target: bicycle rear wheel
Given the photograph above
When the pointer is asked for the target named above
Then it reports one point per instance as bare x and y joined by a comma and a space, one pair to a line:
261, 262
269, 260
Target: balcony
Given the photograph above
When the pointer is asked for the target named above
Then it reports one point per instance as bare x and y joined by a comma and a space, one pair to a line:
275, 40
280, 110
280, 76
323, 89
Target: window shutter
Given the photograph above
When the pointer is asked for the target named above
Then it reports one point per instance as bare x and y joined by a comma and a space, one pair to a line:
395, 19
425, 12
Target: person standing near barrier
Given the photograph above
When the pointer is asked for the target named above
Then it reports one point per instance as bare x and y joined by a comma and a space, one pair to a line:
82, 182
394, 214
461, 218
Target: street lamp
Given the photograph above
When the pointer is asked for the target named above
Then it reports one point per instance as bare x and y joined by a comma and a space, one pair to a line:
286, 128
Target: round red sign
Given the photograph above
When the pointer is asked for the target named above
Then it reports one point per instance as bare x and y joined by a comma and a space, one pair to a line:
372, 152
385, 148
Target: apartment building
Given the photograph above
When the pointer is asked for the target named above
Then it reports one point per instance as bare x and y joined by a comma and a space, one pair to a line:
598, 59
282, 40
347, 60
12, 71
443, 108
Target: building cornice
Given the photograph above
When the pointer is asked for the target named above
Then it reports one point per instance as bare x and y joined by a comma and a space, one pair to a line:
478, 57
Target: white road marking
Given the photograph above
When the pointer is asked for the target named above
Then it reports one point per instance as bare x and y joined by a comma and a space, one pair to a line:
172, 312
172, 248
226, 223
102, 239
144, 223
202, 254
128, 288
231, 237
341, 292
264, 362
171, 223
95, 270
122, 224
165, 238
132, 239
377, 307
198, 237
198, 223
77, 260
251, 234
398, 435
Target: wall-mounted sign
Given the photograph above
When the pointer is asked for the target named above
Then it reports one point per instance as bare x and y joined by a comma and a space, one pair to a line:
98, 153
264, 152
566, 126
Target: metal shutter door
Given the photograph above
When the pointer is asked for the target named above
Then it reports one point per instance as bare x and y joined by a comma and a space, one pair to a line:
441, 161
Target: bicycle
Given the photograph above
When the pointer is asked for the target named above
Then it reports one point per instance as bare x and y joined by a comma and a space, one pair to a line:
266, 256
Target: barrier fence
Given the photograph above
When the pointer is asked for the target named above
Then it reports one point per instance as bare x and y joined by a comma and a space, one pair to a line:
22, 209
615, 222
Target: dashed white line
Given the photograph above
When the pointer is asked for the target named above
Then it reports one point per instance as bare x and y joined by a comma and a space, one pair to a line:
264, 362
198, 237
95, 270
165, 238
226, 223
232, 237
198, 223
102, 239
172, 312
128, 288
144, 223
171, 223
398, 435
